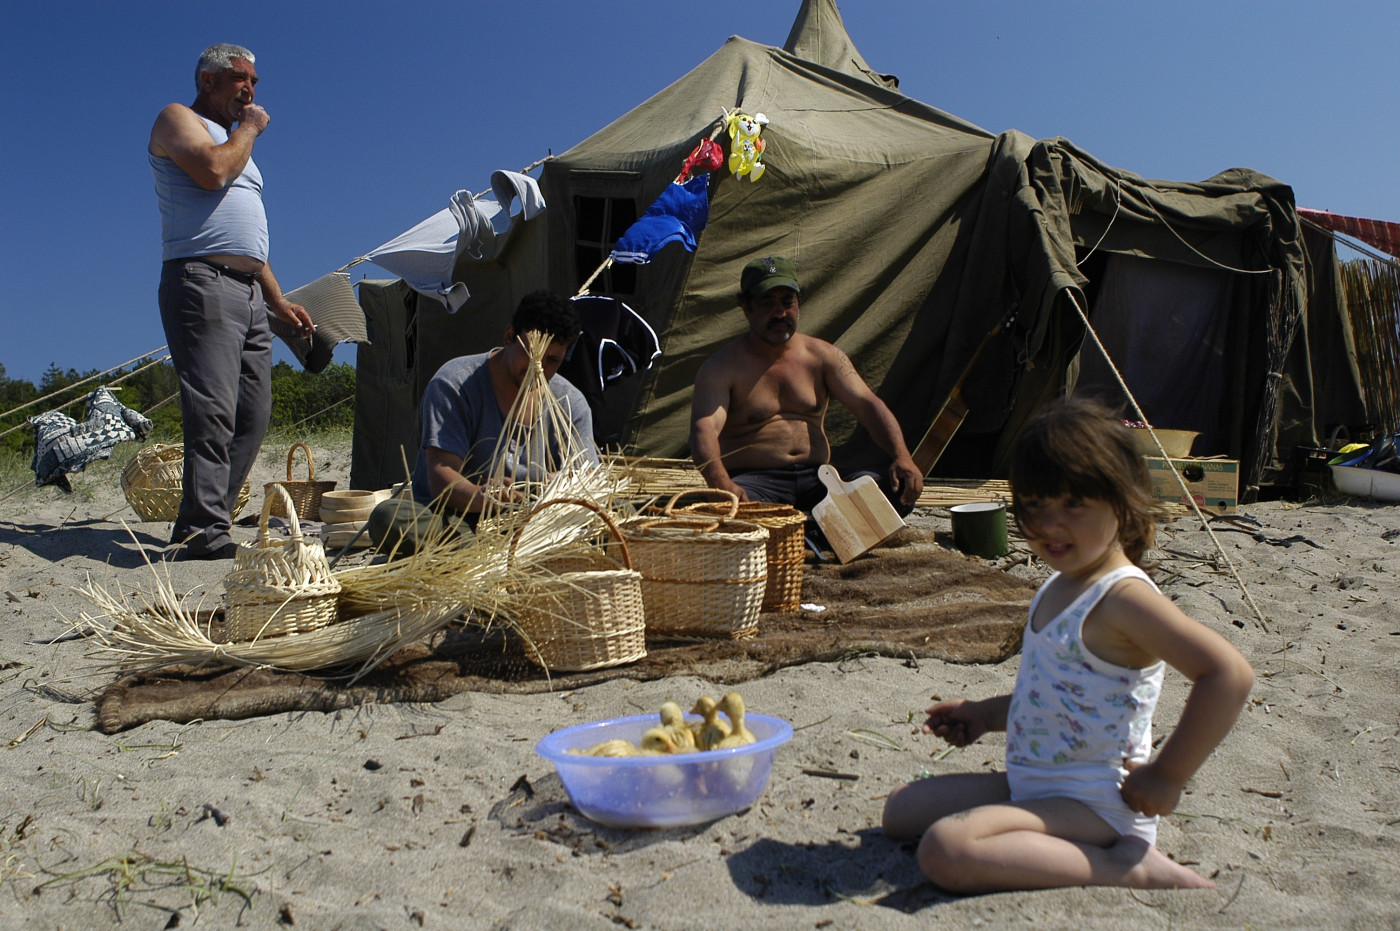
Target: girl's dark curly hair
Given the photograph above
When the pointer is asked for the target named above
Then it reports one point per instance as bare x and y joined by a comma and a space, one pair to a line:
1077, 447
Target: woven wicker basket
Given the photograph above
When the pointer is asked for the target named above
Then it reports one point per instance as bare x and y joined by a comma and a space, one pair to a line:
701, 576
585, 612
154, 483
786, 551
279, 587
304, 495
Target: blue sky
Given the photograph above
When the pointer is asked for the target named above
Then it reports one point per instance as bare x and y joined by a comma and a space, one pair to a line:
381, 111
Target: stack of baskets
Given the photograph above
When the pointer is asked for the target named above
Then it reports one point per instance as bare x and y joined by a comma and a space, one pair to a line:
304, 495
344, 514
279, 587
582, 611
702, 576
786, 550
153, 483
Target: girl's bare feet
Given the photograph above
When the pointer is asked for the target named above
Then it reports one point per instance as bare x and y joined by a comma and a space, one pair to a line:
1153, 869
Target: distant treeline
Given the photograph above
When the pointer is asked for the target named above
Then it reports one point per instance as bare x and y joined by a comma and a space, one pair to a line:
300, 400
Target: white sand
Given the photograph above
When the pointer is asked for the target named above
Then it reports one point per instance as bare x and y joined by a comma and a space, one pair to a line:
1297, 816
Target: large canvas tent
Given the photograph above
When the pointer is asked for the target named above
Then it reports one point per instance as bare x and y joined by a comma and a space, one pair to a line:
915, 233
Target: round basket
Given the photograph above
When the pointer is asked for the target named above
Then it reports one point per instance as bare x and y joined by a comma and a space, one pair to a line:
583, 611
278, 587
305, 496
787, 553
153, 483
701, 576
343, 507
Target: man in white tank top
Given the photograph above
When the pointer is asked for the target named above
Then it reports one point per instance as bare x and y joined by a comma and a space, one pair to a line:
216, 289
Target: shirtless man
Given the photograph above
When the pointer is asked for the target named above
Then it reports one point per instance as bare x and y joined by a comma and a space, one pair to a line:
758, 416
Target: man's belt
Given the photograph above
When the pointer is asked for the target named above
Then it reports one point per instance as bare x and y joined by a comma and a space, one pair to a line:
226, 270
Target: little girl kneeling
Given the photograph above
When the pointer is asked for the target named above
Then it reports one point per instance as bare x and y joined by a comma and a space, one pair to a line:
1079, 801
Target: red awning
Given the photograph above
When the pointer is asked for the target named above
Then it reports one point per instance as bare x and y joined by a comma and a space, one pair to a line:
1382, 234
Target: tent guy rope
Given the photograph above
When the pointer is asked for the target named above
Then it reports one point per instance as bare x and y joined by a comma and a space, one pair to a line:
1186, 492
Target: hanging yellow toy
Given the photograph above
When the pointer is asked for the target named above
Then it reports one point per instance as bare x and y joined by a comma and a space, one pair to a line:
746, 148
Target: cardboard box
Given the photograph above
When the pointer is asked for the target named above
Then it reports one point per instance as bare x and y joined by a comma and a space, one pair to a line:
1214, 483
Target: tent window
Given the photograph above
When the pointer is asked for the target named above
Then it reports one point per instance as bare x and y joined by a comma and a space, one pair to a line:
601, 222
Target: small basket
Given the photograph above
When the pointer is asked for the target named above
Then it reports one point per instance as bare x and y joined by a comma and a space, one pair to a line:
305, 496
279, 587
787, 553
154, 483
583, 612
701, 576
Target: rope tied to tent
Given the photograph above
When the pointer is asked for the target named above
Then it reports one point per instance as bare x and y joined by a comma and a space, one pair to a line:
1229, 268
608, 262
1117, 207
1186, 492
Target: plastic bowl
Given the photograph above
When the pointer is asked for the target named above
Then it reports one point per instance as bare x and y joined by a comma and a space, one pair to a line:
1177, 443
1366, 483
662, 791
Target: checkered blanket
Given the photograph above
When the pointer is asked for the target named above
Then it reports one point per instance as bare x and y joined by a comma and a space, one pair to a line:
62, 445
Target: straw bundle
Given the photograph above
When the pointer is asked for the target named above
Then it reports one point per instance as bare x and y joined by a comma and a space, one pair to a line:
653, 477
383, 607
153, 483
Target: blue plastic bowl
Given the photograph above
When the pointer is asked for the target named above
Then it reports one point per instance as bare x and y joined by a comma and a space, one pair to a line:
662, 791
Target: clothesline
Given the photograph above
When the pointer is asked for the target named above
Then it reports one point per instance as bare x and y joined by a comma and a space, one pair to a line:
526, 170
84, 381
80, 398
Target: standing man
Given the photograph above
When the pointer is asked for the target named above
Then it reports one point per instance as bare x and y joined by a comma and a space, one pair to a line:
216, 289
758, 416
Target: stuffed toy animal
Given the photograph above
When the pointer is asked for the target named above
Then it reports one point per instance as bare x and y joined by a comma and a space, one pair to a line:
746, 148
705, 157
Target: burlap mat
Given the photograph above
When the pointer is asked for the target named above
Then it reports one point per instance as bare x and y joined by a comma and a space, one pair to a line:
917, 601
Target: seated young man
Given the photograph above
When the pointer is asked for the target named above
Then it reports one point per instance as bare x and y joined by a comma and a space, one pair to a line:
463, 415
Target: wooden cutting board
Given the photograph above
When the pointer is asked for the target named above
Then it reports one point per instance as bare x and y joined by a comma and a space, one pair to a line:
855, 516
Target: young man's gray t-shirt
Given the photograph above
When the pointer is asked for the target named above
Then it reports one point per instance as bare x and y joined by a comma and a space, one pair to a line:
460, 415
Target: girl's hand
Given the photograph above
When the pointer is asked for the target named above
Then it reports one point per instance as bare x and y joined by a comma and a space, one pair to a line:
959, 721
1147, 791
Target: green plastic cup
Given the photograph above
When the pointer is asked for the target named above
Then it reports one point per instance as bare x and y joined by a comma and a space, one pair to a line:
979, 529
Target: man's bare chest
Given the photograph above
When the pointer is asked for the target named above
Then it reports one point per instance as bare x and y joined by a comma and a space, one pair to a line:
780, 390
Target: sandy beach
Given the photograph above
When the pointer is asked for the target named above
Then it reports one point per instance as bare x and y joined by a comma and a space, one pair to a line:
442, 816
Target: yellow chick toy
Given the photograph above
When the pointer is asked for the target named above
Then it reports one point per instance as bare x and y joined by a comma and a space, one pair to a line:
658, 740
673, 723
712, 730
618, 747
733, 707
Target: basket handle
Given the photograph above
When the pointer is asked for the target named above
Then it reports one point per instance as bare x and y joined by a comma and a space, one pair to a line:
692, 522
310, 465
287, 507
732, 499
578, 502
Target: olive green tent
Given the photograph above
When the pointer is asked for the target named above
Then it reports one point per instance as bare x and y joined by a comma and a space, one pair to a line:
915, 233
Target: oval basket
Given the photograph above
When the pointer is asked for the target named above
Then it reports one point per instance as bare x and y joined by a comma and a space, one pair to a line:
583, 611
153, 483
787, 553
701, 576
305, 496
279, 587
